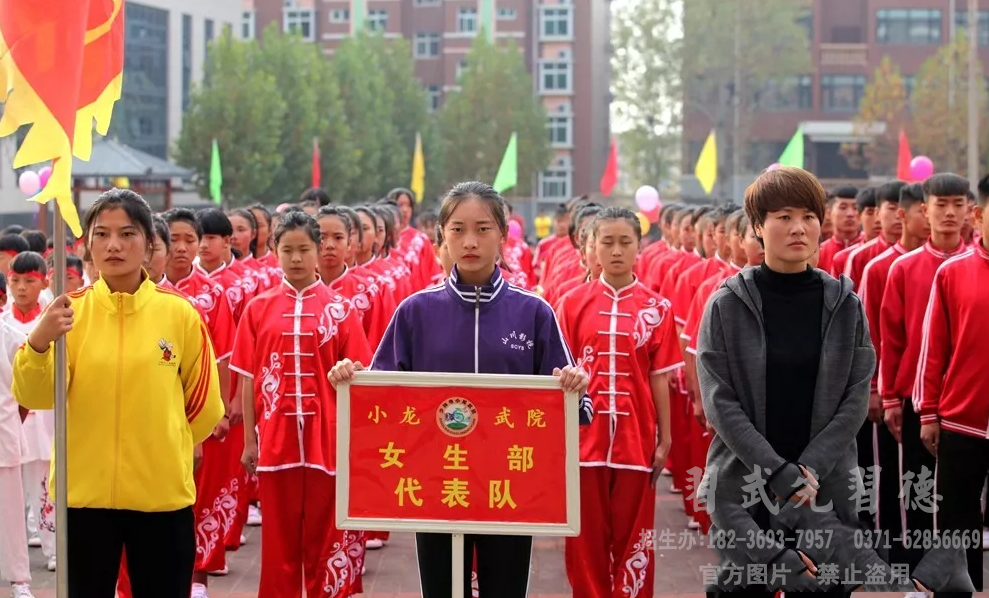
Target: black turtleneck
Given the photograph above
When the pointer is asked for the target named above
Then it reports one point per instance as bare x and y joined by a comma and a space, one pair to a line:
792, 306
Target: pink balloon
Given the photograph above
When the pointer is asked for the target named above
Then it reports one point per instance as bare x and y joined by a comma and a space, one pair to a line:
646, 198
29, 182
773, 166
653, 215
514, 230
44, 174
921, 168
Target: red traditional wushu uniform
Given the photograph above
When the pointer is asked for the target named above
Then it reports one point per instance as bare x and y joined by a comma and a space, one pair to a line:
518, 256
651, 252
374, 315
621, 337
236, 289
217, 488
286, 343
416, 250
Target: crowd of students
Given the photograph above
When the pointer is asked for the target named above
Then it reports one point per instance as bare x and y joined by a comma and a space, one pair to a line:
218, 400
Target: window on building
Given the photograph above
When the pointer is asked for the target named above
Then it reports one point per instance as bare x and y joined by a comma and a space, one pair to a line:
140, 118
918, 26
556, 181
186, 59
555, 76
908, 84
807, 22
340, 15
207, 36
556, 22
847, 35
560, 129
467, 20
428, 2
842, 93
507, 14
427, 45
461, 67
247, 24
788, 94
961, 24
301, 21
377, 19
433, 98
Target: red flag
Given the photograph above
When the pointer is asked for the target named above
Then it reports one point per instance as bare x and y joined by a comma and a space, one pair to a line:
315, 163
610, 177
61, 66
903, 159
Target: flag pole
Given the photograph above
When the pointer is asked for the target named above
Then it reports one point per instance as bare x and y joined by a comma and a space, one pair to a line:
61, 425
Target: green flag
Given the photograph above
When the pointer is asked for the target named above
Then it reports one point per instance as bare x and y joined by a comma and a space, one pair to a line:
508, 172
215, 176
793, 155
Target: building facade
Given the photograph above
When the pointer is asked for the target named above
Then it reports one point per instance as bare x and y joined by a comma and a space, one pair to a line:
165, 47
849, 39
565, 43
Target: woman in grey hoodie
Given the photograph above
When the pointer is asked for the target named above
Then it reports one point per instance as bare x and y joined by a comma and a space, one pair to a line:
784, 363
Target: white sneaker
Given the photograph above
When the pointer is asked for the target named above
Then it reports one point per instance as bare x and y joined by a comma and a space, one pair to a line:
363, 571
199, 591
985, 539
220, 572
915, 595
20, 590
51, 564
374, 544
34, 541
253, 516
243, 539
675, 490
666, 472
692, 524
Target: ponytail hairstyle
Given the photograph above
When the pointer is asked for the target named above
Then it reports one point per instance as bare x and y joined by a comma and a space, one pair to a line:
297, 220
482, 192
247, 215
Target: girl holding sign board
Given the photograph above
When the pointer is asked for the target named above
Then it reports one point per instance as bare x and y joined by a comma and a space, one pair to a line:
473, 224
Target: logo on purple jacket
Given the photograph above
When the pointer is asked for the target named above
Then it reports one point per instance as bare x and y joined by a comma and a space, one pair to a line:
457, 417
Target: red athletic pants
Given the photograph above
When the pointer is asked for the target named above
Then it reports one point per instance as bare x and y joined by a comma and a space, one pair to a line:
300, 543
613, 557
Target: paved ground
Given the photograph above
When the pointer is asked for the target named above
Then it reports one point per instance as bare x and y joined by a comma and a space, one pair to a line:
391, 572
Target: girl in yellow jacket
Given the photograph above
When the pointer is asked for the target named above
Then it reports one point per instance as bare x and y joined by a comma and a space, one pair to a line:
143, 391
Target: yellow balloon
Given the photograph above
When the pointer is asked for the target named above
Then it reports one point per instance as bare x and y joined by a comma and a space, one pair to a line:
643, 222
123, 182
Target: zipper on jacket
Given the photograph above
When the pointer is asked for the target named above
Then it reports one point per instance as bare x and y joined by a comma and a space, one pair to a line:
477, 326
120, 370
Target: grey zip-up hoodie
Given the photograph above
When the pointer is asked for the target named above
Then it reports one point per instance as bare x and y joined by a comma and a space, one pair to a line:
731, 368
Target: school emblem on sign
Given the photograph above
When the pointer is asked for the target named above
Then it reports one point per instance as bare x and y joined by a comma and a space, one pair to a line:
457, 417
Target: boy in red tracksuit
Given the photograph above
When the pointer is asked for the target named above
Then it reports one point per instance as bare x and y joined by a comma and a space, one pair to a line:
890, 517
844, 220
867, 206
890, 229
901, 319
953, 395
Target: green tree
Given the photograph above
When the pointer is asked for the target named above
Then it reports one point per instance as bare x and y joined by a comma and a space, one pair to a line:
410, 115
884, 101
241, 107
940, 131
771, 47
647, 70
313, 110
369, 104
495, 99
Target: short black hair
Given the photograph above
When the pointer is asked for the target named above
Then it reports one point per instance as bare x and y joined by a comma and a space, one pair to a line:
316, 195
14, 242
889, 192
945, 184
161, 231
866, 198
910, 195
984, 192
842, 191
13, 229
562, 211
184, 215
29, 261
214, 222
36, 239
